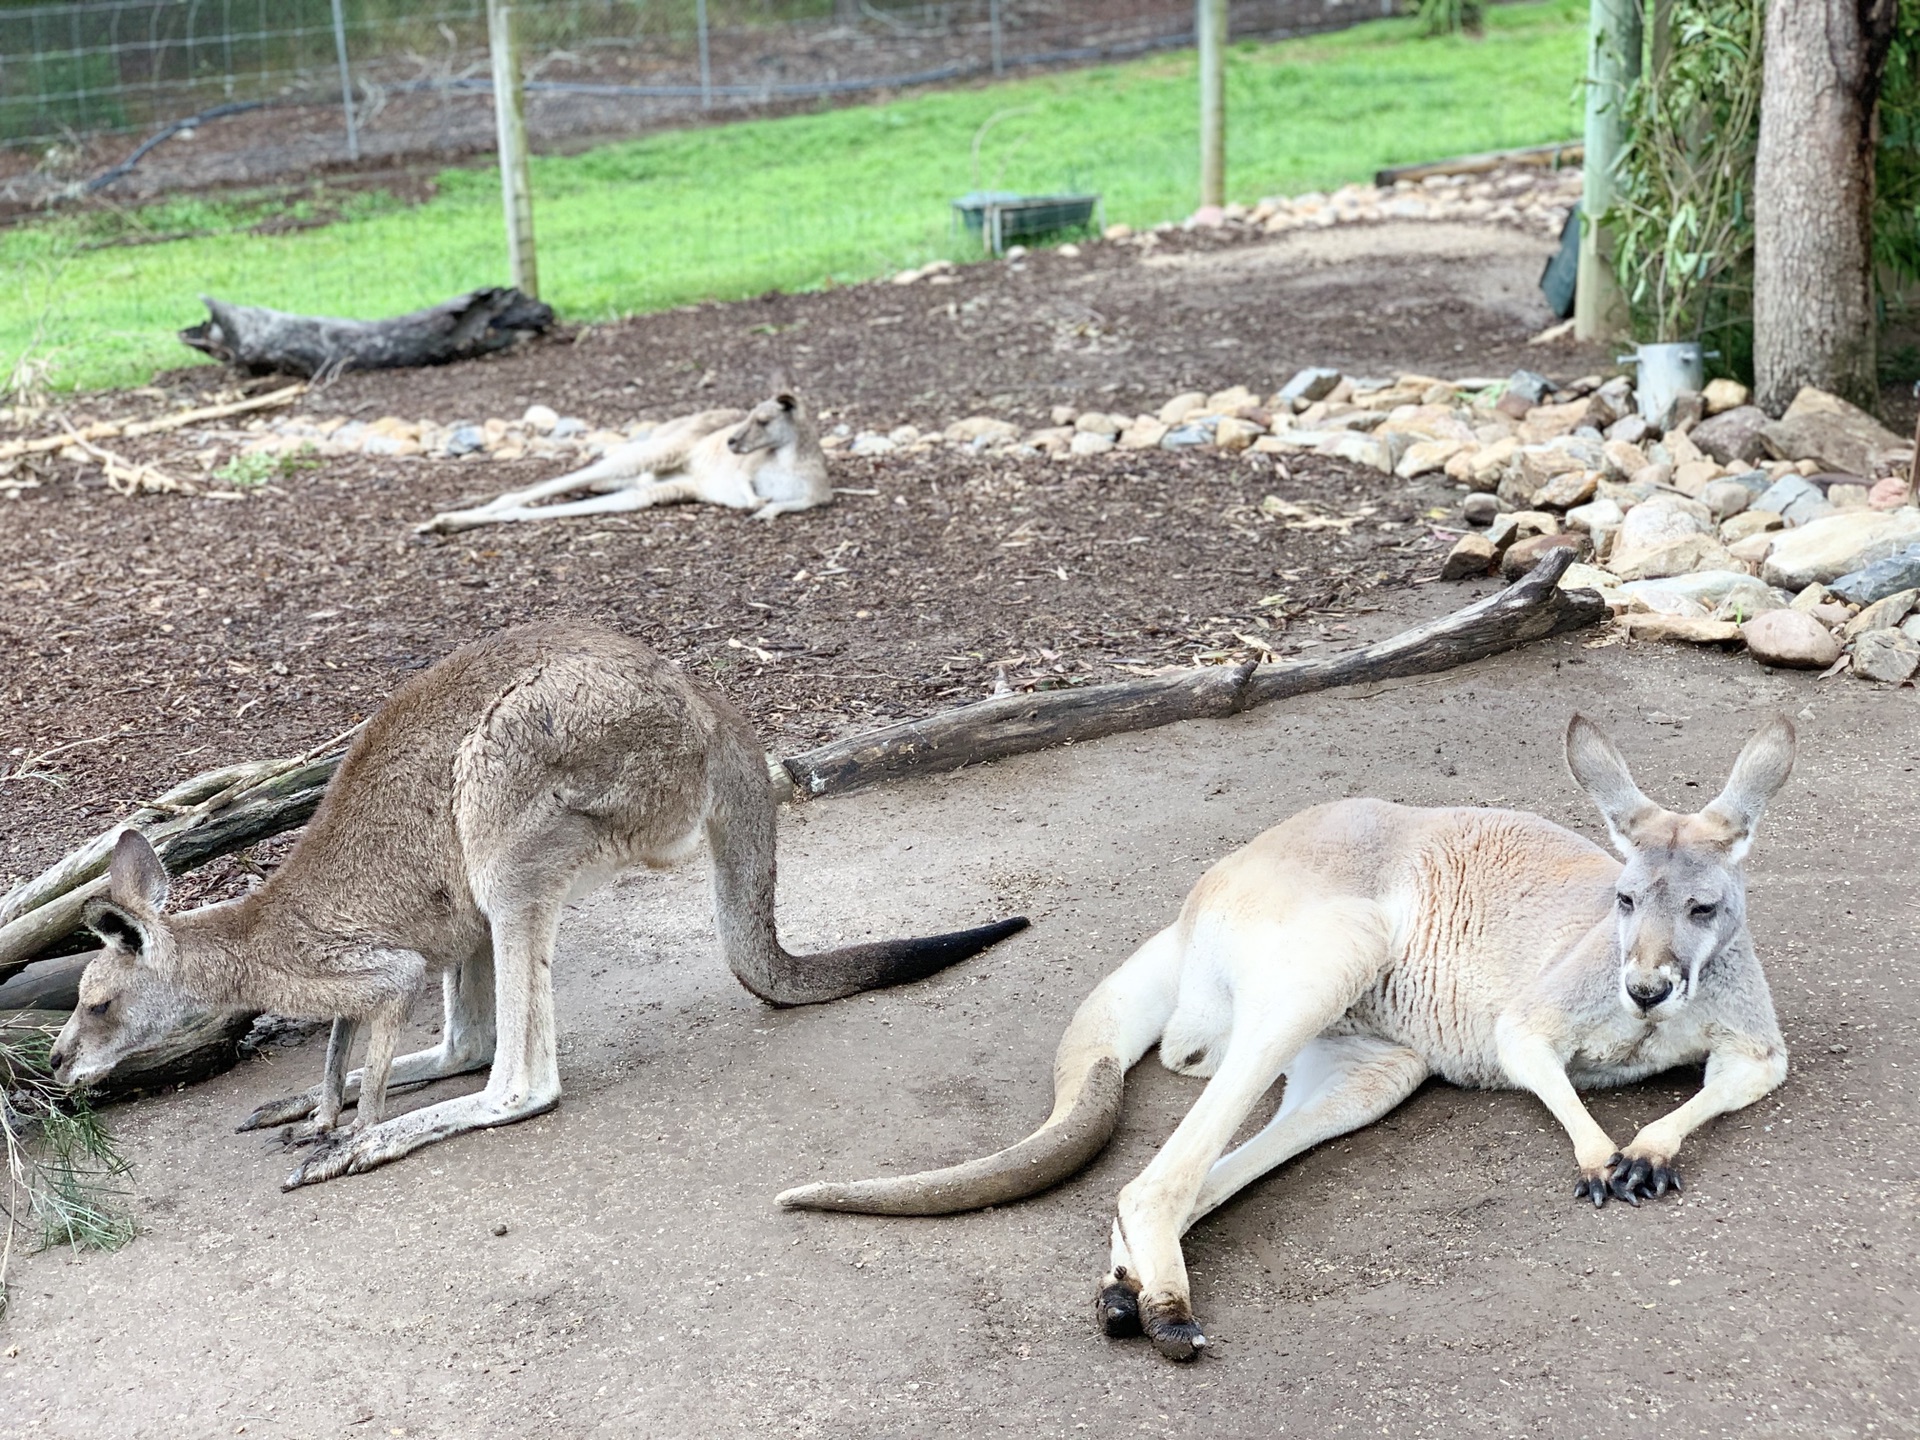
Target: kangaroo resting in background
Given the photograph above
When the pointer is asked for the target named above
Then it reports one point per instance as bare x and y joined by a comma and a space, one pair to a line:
1362, 946
767, 460
489, 790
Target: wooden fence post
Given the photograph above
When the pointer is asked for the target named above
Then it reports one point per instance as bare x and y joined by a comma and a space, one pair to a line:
510, 118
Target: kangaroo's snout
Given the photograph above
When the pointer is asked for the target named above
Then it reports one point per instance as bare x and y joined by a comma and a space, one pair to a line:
1647, 993
56, 1062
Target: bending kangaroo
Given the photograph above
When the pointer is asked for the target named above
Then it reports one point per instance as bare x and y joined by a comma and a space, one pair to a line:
489, 790
1360, 947
767, 460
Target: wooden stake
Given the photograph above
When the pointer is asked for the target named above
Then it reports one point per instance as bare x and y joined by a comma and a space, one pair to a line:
1613, 64
510, 120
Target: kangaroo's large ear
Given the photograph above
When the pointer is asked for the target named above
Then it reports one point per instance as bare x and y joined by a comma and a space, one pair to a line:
136, 880
116, 926
1764, 764
786, 401
1600, 770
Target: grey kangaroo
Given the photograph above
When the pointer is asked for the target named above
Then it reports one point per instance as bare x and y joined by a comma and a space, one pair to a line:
515, 774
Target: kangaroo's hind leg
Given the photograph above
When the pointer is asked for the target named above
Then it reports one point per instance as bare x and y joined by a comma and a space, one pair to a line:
1291, 977
1337, 1084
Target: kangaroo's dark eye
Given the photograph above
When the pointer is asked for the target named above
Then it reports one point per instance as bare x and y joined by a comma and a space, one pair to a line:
1705, 912
100, 1007
1626, 902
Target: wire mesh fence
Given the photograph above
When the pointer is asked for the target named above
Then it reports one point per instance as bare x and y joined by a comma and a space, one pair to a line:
263, 90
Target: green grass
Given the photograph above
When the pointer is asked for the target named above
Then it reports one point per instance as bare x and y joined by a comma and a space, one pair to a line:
794, 203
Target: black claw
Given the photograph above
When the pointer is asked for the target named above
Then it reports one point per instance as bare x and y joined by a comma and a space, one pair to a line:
1673, 1179
1118, 1309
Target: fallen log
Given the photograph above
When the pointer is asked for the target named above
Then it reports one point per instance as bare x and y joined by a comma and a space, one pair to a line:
237, 806
207, 1045
1530, 609
275, 796
52, 984
1543, 157
262, 340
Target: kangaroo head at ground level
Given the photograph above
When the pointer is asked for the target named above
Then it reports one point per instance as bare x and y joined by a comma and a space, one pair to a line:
487, 792
767, 460
1360, 947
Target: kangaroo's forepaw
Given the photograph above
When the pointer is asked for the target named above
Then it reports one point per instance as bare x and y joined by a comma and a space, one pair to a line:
1169, 1323
280, 1112
1634, 1178
1117, 1307
1631, 1178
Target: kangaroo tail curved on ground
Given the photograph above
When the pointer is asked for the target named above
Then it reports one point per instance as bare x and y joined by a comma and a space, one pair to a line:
740, 832
1112, 1029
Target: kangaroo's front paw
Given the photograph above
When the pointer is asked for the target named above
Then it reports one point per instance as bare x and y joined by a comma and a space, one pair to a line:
280, 1112
1169, 1323
1117, 1307
1635, 1177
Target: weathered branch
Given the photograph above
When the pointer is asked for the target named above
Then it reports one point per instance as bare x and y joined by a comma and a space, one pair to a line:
462, 328
1531, 608
132, 429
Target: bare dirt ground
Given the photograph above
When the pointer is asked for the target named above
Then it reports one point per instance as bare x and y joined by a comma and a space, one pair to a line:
1429, 1276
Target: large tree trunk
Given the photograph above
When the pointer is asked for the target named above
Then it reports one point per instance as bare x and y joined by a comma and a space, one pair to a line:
1813, 315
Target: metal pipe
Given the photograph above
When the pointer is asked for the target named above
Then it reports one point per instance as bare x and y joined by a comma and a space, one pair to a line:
346, 80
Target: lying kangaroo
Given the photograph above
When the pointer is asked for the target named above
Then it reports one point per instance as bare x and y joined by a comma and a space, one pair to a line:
515, 774
767, 460
1362, 946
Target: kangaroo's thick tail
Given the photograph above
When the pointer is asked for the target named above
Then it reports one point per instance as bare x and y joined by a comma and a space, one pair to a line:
1112, 1029
740, 831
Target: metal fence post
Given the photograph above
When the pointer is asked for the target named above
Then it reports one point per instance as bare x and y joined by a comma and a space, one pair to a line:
995, 39
1210, 33
346, 81
706, 66
510, 120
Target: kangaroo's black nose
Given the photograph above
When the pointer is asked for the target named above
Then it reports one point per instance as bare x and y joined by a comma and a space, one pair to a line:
55, 1060
1648, 996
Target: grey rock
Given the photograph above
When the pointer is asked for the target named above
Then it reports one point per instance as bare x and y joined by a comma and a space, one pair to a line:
568, 425
1880, 579
1885, 655
1183, 437
1733, 436
1791, 639
1480, 509
1633, 430
1313, 383
1795, 500
1839, 545
1530, 385
1882, 614
1725, 498
466, 439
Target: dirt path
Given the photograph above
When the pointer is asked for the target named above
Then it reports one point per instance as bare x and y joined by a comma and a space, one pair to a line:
1428, 1276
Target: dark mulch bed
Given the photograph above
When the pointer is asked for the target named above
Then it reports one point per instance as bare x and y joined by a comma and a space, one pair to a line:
162, 635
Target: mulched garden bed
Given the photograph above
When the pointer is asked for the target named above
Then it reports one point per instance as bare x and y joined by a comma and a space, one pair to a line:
164, 634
